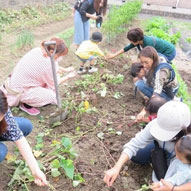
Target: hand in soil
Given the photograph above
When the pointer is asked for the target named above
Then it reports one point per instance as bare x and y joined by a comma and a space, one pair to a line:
40, 178
110, 176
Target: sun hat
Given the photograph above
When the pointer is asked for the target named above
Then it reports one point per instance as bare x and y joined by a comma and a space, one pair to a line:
96, 37
172, 117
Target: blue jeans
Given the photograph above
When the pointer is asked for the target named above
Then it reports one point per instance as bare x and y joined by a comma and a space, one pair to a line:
25, 126
144, 155
169, 58
148, 90
81, 29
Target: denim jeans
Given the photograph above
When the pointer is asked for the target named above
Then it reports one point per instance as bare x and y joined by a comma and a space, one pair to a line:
25, 126
169, 58
81, 29
144, 155
148, 90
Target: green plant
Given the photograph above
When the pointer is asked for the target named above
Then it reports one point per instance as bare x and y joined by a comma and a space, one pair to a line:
64, 153
66, 36
183, 89
31, 16
119, 16
25, 38
110, 78
188, 39
159, 27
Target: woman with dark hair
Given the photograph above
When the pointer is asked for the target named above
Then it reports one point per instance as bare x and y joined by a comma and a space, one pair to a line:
84, 10
31, 84
161, 79
173, 119
15, 129
139, 40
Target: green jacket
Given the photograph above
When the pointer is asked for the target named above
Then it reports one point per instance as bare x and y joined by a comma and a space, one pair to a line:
161, 46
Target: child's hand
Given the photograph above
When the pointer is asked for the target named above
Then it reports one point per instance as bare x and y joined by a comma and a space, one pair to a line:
155, 185
141, 115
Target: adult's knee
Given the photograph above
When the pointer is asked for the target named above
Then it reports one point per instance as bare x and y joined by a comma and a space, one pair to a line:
140, 85
25, 125
3, 151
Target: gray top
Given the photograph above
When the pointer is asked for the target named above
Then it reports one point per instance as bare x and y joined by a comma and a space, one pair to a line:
142, 139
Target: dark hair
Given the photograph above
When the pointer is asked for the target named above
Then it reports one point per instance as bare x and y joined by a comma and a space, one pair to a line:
135, 35
61, 48
100, 10
155, 103
183, 146
151, 53
184, 131
3, 110
135, 68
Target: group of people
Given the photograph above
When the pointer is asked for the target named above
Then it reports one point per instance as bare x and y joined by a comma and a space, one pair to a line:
31, 86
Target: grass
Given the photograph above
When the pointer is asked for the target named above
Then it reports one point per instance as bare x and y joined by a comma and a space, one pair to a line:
67, 36
24, 39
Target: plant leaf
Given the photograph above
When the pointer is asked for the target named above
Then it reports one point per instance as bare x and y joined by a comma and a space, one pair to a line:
55, 172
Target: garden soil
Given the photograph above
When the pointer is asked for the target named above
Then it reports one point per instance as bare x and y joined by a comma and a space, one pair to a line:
101, 135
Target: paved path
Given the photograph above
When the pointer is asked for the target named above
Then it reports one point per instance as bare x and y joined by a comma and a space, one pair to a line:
173, 8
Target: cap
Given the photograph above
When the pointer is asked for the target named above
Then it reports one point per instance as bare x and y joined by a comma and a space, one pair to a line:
96, 37
172, 117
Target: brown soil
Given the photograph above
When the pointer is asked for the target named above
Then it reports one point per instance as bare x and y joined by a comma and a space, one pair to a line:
94, 154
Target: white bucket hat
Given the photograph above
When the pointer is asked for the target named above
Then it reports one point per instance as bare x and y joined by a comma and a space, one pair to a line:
172, 117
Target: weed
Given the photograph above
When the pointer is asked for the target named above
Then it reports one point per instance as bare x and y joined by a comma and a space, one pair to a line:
159, 27
118, 17
25, 38
183, 89
66, 36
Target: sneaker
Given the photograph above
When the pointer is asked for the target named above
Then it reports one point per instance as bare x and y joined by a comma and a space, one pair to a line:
81, 71
30, 111
92, 69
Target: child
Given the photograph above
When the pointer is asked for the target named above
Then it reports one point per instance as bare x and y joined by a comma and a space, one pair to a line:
87, 52
183, 164
137, 71
152, 108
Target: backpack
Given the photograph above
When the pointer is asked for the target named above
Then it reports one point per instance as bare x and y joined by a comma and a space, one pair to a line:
79, 3
168, 66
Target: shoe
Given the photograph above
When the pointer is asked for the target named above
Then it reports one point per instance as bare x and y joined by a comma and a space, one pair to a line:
81, 71
92, 69
30, 111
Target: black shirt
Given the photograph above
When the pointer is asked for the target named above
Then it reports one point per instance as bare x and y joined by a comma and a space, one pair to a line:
87, 6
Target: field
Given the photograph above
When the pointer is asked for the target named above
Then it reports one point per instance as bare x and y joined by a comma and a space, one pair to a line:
99, 123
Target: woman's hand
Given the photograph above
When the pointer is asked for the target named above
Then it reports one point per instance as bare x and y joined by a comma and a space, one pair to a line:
40, 178
111, 175
72, 74
166, 186
109, 56
155, 185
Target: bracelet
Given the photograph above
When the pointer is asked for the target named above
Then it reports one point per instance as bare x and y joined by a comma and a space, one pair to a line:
173, 188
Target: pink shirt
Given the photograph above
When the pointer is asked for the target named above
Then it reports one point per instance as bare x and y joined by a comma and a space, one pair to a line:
33, 70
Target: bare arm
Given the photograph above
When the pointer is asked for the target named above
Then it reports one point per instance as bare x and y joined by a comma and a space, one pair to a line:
111, 175
168, 187
26, 152
115, 54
